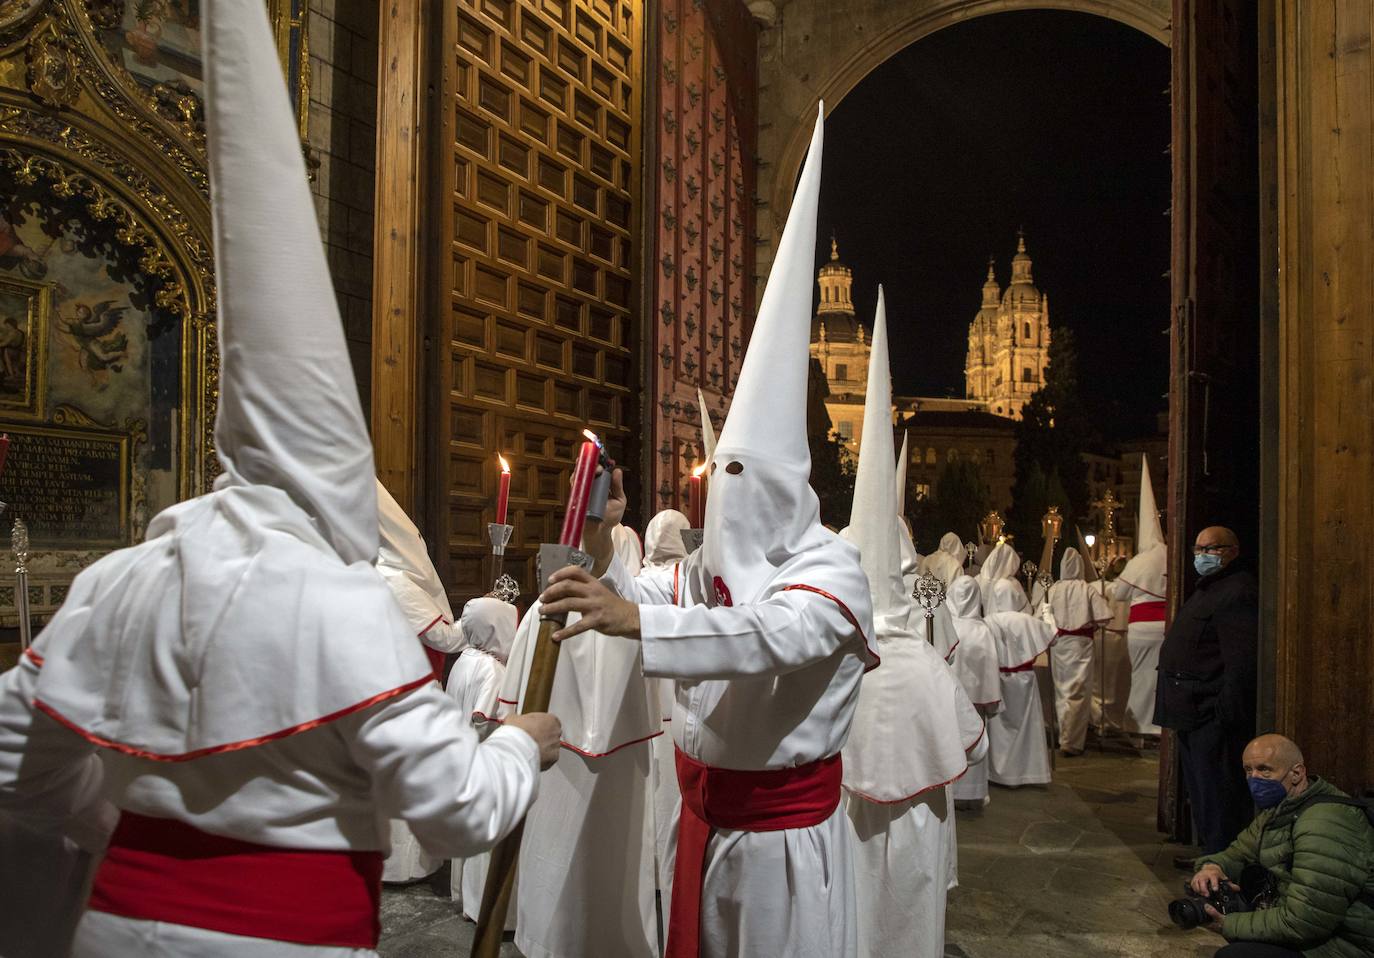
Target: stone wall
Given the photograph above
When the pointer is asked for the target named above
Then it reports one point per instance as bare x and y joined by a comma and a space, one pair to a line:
343, 137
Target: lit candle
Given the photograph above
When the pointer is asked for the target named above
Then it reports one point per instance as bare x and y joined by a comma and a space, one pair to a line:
583, 474
696, 497
503, 492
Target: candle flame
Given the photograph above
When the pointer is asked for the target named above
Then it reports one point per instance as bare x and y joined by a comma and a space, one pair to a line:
592, 436
699, 469
505, 466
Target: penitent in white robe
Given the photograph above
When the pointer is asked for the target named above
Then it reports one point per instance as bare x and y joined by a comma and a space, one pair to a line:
1144, 580
1016, 734
412, 756
773, 684
1075, 606
976, 666
592, 828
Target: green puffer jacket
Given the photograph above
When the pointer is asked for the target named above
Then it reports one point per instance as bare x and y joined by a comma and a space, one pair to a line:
1323, 862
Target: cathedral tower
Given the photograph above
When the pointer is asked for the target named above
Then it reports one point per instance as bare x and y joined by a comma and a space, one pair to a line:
840, 343
1009, 340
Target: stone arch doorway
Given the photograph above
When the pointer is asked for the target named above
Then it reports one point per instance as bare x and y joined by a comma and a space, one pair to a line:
812, 50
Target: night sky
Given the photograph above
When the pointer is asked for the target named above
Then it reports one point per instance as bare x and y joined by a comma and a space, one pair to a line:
1057, 122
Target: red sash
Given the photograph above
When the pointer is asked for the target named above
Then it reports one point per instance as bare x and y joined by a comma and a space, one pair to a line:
1086, 632
1148, 611
159, 869
1026, 667
753, 801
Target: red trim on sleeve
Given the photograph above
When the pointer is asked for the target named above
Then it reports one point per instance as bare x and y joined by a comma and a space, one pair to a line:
844, 610
437, 619
231, 746
33, 657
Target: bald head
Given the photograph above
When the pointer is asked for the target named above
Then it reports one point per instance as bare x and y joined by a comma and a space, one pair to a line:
1218, 541
1276, 757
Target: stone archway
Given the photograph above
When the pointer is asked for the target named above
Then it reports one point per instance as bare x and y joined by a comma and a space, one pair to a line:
812, 50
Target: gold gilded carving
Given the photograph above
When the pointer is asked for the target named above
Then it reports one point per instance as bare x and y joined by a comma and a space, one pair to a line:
52, 72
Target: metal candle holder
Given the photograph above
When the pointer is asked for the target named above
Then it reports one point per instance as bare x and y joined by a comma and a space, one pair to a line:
500, 538
971, 550
1029, 569
930, 595
19, 542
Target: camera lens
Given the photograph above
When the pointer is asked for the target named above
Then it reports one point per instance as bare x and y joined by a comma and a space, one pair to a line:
1187, 913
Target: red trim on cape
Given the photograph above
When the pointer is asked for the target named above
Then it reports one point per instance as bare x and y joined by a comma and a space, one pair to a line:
897, 801
1139, 589
950, 654
231, 746
33, 657
676, 594
983, 731
844, 610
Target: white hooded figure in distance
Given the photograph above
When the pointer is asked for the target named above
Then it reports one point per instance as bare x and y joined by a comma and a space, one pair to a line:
404, 563
976, 667
947, 562
243, 684
1002, 563
1078, 609
1144, 583
915, 731
474, 684
585, 881
663, 549
766, 629
1016, 734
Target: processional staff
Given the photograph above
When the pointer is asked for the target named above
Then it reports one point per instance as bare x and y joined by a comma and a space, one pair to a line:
587, 499
930, 595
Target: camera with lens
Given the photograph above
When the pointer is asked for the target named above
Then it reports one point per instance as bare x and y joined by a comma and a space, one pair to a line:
1256, 891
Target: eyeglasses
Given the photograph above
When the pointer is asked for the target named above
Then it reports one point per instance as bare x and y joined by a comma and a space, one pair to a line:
1210, 550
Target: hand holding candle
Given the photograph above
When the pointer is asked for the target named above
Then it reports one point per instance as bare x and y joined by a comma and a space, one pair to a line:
503, 493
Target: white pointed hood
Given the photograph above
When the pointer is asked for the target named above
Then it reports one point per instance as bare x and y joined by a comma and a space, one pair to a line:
873, 518
901, 475
404, 563
708, 431
1149, 532
913, 720
763, 531
489, 626
254, 612
288, 414
663, 546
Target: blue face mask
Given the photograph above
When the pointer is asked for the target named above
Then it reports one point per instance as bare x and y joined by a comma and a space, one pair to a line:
1267, 792
1205, 563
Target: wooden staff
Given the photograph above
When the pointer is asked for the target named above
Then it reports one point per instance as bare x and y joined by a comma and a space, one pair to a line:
583, 500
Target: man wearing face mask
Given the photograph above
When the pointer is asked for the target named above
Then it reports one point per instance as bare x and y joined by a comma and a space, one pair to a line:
1318, 846
1206, 690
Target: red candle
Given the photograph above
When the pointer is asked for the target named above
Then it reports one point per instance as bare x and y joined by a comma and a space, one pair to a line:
696, 497
503, 492
583, 474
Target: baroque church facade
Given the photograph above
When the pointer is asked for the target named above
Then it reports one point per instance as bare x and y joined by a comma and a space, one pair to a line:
1009, 340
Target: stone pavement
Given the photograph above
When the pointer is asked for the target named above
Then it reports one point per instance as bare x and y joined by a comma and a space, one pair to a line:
1075, 870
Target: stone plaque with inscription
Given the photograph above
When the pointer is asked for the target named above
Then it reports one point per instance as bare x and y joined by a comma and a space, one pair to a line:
70, 485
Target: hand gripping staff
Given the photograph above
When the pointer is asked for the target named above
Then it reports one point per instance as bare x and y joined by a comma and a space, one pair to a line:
590, 490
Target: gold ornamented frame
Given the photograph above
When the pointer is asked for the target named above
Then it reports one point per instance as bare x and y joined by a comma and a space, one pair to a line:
37, 312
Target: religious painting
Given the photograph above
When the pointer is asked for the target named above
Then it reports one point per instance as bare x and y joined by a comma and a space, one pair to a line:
24, 311
105, 454
158, 41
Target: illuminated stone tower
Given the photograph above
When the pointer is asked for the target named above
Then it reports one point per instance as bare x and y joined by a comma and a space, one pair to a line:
1008, 340
840, 343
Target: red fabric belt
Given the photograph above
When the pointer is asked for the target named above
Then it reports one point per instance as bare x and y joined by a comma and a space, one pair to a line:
436, 663
1148, 612
752, 801
1086, 632
1027, 667
159, 869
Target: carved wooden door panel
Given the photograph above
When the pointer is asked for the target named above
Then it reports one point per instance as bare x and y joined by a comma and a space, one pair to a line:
707, 105
540, 165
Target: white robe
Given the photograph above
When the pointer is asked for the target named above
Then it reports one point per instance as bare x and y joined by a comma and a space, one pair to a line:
769, 685
1075, 605
592, 828
331, 788
1143, 580
474, 683
1016, 734
1112, 674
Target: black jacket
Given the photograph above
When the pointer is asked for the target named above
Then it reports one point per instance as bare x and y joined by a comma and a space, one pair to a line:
1207, 667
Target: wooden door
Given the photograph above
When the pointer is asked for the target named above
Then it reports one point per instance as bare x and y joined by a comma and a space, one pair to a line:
539, 201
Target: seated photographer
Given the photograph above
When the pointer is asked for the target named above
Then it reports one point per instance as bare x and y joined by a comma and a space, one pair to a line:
1317, 846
